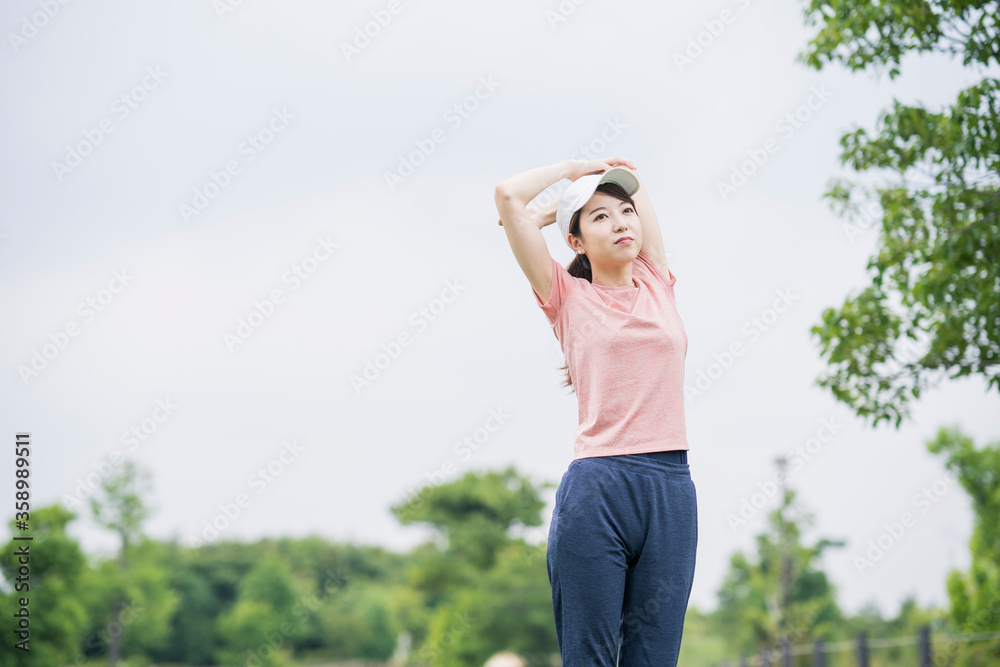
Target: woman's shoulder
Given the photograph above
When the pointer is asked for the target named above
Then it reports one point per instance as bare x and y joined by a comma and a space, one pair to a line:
649, 267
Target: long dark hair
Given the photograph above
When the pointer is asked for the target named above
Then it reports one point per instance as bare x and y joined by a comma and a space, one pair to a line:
580, 266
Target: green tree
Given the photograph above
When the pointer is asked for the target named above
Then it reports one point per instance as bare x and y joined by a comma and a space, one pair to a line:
260, 627
207, 580
56, 612
330, 574
933, 307
251, 632
476, 562
509, 608
192, 627
271, 581
129, 597
130, 608
476, 512
358, 623
780, 593
975, 595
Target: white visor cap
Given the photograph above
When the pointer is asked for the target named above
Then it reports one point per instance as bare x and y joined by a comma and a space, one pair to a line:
582, 189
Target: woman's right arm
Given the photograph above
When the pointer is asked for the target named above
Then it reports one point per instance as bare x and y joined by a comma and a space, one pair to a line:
523, 233
525, 237
527, 185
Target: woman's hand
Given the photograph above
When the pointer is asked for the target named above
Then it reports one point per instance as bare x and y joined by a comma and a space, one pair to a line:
571, 169
580, 168
542, 216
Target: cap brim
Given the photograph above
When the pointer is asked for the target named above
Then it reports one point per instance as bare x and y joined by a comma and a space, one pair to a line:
623, 176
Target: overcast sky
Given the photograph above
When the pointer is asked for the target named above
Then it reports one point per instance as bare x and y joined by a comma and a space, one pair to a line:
216, 220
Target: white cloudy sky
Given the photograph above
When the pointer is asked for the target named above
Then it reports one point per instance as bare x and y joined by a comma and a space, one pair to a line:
333, 129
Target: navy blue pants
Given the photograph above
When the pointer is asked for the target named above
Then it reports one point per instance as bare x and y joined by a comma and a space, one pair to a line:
621, 558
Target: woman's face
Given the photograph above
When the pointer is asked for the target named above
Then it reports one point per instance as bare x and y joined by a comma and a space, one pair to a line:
606, 219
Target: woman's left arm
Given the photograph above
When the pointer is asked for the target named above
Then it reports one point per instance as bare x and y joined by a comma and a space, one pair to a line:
542, 216
652, 237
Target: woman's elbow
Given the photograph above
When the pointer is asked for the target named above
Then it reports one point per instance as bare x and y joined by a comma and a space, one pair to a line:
501, 193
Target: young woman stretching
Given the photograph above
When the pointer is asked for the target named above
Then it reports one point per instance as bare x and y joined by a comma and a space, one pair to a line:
624, 531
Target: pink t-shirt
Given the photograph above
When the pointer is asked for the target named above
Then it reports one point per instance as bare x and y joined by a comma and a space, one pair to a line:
625, 347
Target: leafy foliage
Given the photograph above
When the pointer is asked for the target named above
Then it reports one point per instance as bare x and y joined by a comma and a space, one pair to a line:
932, 310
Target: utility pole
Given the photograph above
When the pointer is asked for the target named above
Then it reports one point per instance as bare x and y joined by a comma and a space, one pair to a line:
786, 558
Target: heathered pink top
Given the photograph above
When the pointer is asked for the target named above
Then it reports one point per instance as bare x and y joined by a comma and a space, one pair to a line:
625, 347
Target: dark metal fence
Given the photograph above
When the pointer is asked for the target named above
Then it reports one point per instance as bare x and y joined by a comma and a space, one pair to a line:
922, 650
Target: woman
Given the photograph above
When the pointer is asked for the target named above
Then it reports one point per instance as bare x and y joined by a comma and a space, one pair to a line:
624, 531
